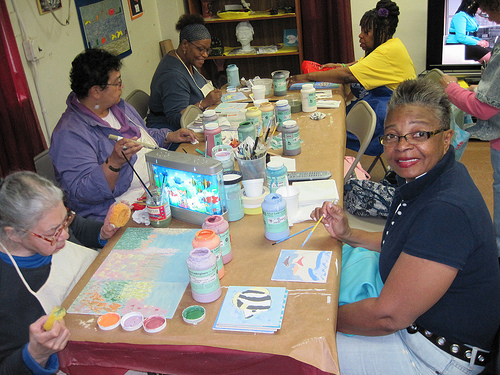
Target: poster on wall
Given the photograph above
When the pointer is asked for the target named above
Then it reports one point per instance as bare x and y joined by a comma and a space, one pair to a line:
103, 25
135, 8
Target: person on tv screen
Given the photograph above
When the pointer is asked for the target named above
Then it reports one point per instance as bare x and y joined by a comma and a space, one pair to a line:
463, 28
483, 102
384, 66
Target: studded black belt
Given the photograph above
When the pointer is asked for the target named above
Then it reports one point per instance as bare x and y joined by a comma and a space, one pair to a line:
459, 351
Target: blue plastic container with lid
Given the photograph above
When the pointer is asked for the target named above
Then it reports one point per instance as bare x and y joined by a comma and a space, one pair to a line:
233, 75
275, 217
276, 175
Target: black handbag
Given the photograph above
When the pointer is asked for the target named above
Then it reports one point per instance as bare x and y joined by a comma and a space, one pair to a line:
367, 198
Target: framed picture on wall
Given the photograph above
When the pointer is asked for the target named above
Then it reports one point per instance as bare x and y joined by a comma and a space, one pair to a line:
45, 6
135, 8
102, 23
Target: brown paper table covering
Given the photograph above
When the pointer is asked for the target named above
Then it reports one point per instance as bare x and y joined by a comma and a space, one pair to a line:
306, 342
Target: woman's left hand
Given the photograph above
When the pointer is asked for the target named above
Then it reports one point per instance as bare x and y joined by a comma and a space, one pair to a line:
181, 136
299, 78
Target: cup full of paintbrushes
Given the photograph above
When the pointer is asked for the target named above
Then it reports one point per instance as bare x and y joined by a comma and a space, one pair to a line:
251, 158
158, 207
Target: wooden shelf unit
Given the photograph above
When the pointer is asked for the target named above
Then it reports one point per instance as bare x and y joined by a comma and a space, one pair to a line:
268, 30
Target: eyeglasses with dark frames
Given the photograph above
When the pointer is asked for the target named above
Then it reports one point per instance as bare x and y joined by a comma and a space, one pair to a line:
119, 84
203, 50
53, 239
410, 138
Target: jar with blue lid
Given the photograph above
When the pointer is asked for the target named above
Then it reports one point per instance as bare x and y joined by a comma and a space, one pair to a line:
232, 195
275, 217
283, 113
276, 176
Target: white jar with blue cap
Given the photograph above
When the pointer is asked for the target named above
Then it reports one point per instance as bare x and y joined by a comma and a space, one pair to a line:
233, 75
275, 217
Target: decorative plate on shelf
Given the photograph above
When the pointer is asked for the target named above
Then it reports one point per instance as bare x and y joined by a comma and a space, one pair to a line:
233, 14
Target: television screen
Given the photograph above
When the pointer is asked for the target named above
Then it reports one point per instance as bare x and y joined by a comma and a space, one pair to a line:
451, 57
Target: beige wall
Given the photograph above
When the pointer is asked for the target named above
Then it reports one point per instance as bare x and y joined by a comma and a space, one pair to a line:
62, 43
412, 27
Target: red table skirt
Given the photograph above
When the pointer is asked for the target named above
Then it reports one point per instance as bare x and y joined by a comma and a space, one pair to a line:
83, 358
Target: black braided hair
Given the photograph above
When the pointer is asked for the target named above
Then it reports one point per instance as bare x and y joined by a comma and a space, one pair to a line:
383, 20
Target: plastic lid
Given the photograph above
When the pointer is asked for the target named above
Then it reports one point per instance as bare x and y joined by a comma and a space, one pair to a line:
275, 164
132, 321
289, 123
282, 102
211, 126
222, 155
108, 321
266, 107
307, 86
209, 112
252, 109
154, 323
232, 177
193, 314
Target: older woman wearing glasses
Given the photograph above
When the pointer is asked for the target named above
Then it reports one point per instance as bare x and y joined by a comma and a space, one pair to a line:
91, 168
38, 268
177, 82
439, 308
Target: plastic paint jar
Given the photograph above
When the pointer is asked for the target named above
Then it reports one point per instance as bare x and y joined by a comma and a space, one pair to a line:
276, 175
279, 83
207, 238
233, 195
291, 138
213, 137
253, 115
283, 113
246, 129
224, 154
233, 75
275, 217
221, 227
308, 94
267, 111
202, 269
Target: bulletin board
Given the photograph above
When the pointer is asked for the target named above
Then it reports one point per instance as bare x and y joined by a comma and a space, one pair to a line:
103, 25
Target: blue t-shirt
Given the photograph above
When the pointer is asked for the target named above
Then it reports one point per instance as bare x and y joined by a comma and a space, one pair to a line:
442, 217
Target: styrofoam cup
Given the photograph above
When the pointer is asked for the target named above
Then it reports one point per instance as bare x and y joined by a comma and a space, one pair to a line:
291, 196
253, 188
259, 91
268, 82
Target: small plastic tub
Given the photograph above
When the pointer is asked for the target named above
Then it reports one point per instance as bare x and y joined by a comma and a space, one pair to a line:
154, 323
132, 321
108, 321
193, 314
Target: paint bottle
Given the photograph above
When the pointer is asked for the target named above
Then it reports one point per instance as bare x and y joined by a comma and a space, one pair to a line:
267, 112
213, 137
233, 195
253, 115
233, 75
291, 138
207, 238
275, 217
221, 227
226, 157
283, 113
279, 83
308, 94
202, 269
276, 175
246, 129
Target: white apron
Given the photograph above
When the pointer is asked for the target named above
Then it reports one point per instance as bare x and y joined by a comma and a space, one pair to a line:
68, 266
207, 87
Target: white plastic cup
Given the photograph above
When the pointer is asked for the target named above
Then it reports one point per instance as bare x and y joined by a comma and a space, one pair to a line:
291, 196
268, 82
253, 188
259, 91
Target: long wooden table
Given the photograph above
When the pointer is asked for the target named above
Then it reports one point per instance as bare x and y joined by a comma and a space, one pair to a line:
304, 345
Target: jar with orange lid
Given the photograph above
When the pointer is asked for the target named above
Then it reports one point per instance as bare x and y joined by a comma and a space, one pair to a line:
209, 239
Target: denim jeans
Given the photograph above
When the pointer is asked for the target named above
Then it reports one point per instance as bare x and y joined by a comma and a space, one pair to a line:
495, 163
397, 354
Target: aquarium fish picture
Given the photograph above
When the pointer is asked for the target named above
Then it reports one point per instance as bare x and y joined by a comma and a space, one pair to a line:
252, 301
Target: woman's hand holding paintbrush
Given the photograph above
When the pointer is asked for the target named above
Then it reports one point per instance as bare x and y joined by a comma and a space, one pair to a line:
123, 149
334, 220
